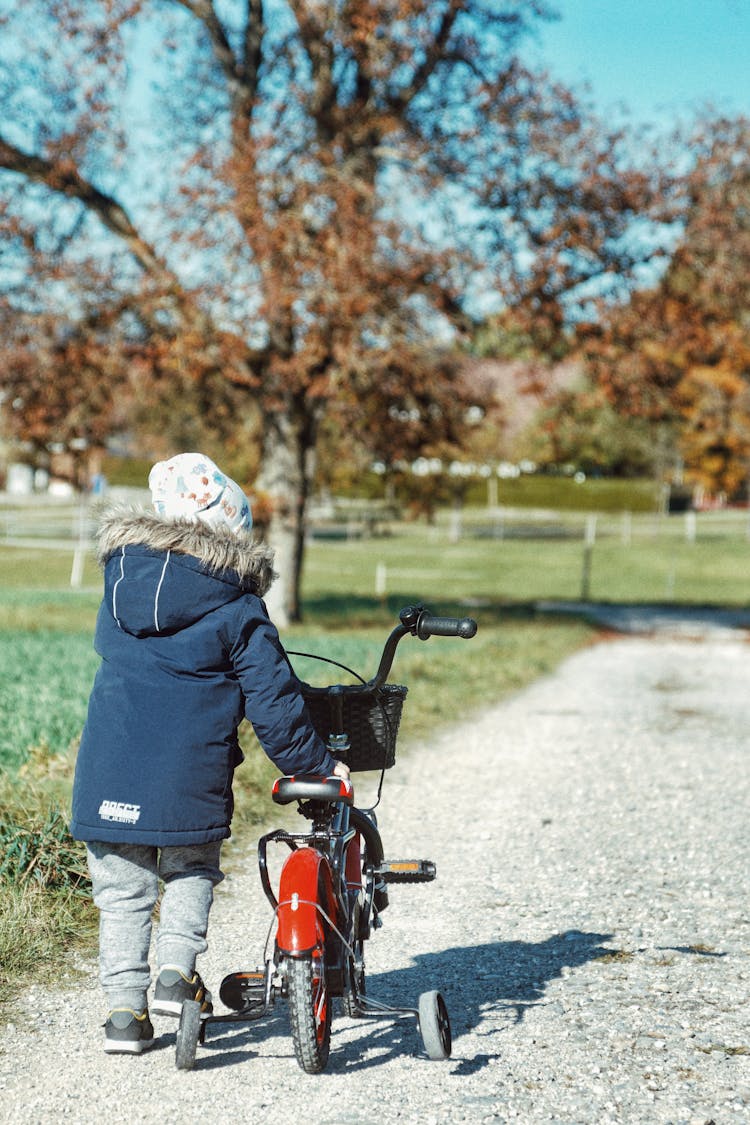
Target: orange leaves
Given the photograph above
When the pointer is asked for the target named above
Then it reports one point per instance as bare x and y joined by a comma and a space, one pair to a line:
61, 382
681, 352
716, 437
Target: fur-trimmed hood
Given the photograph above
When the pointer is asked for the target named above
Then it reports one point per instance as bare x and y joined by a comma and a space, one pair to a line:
217, 548
188, 650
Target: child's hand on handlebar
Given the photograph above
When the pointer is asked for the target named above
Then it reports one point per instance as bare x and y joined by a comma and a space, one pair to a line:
342, 770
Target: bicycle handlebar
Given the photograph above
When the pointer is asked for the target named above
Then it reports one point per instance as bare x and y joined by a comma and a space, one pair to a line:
416, 620
429, 626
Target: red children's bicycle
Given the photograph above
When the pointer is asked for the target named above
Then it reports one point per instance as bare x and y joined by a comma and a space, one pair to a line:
333, 886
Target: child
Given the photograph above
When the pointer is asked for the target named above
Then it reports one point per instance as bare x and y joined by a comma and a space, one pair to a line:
187, 649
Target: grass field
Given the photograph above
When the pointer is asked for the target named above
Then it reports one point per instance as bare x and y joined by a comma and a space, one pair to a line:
564, 493
521, 558
537, 490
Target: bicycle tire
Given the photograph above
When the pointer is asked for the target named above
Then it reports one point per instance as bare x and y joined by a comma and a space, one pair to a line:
309, 1011
188, 1034
434, 1025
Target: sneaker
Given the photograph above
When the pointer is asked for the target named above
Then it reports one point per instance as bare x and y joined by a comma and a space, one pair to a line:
127, 1032
173, 988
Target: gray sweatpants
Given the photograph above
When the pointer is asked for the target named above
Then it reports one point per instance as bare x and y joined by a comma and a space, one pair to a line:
125, 880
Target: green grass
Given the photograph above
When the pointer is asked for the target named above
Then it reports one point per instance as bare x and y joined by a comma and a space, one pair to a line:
709, 572
536, 490
39, 931
45, 679
35, 569
45, 907
655, 566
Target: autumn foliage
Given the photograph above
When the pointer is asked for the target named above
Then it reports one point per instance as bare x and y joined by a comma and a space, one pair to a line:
679, 354
305, 203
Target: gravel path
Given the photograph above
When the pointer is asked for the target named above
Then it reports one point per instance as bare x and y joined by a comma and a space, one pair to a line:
589, 928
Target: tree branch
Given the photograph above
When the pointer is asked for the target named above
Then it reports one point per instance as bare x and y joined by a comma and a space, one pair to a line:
433, 55
64, 178
312, 25
253, 45
204, 11
241, 74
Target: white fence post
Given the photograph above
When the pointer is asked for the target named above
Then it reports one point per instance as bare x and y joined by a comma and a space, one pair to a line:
381, 580
79, 555
456, 524
627, 528
588, 548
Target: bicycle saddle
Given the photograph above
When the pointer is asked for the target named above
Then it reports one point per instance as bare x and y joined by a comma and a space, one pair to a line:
311, 788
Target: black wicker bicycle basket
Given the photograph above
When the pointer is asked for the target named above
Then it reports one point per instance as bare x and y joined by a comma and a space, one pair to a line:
371, 718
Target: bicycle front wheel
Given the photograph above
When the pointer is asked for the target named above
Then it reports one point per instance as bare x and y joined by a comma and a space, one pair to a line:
310, 1012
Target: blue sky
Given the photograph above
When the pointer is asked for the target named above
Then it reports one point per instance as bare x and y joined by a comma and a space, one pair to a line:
660, 58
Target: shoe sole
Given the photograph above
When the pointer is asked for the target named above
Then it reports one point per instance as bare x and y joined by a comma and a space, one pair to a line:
122, 1047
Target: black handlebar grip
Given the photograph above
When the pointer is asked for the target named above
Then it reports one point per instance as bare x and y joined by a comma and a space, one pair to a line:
429, 626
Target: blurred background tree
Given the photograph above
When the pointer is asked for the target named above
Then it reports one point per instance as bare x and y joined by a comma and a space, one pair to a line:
310, 200
579, 429
679, 353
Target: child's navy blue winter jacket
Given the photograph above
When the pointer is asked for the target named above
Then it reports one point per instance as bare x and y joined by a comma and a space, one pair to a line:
187, 650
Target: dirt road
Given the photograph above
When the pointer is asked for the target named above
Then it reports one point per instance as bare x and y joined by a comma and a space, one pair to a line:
590, 929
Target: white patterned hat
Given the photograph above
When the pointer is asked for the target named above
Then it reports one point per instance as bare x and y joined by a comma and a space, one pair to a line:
190, 486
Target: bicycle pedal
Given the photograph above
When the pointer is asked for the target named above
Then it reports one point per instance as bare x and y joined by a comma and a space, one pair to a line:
407, 871
243, 990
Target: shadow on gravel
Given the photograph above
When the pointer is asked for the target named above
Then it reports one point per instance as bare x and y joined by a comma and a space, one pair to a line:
695, 950
487, 988
229, 1044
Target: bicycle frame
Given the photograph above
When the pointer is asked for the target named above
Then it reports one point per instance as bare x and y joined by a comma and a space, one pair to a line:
320, 882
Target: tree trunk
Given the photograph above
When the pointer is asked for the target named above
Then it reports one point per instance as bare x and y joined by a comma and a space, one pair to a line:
286, 474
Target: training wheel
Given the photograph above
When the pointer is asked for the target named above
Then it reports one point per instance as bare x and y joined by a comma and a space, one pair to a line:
188, 1034
434, 1025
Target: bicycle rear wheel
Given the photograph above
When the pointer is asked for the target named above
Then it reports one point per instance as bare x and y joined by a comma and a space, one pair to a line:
310, 1011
